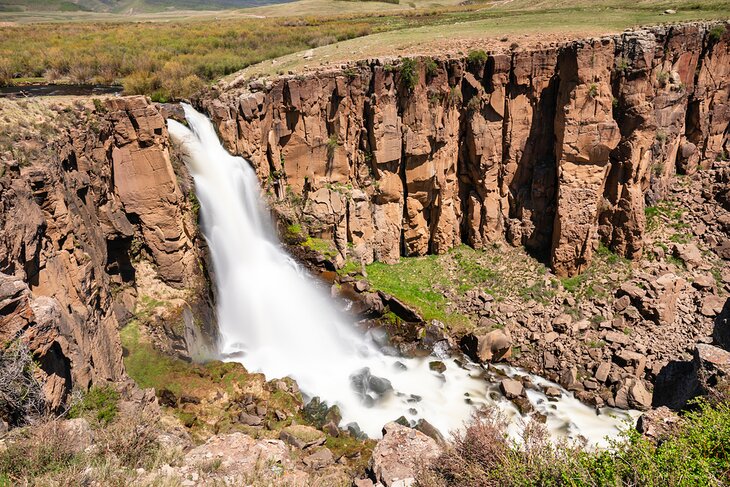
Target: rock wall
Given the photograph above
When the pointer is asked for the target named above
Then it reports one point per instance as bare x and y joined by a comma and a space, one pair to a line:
72, 225
552, 148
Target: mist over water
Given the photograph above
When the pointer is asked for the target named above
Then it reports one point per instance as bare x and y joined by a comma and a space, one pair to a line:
274, 320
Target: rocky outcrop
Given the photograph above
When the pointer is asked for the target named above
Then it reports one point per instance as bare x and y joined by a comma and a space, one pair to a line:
73, 224
401, 454
552, 148
708, 374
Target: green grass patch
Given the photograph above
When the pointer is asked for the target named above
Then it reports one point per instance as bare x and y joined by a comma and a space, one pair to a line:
323, 246
151, 368
412, 280
101, 403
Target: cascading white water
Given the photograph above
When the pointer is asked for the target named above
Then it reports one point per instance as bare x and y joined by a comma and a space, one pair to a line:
274, 320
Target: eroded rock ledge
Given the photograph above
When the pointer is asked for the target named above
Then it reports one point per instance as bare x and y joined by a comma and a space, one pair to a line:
555, 149
76, 215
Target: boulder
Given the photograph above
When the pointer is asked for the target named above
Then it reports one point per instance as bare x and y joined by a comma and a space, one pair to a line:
400, 309
370, 387
712, 306
490, 347
689, 254
319, 459
249, 419
511, 388
658, 424
302, 436
78, 432
631, 394
713, 370
240, 456
400, 454
708, 373
602, 372
430, 430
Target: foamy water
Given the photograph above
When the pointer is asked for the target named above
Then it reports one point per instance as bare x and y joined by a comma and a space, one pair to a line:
274, 320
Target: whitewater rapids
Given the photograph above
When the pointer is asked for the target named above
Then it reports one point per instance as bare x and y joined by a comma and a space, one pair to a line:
274, 320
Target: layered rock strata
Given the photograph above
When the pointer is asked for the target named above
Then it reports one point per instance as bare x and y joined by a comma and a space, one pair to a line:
555, 148
73, 223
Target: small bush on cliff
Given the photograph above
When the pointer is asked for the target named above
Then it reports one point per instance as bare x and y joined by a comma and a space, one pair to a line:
431, 66
409, 73
331, 146
593, 90
716, 33
477, 57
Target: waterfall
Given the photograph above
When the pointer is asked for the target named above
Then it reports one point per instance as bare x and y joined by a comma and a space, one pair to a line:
274, 320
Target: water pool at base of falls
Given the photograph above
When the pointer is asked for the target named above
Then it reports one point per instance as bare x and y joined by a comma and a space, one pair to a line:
273, 320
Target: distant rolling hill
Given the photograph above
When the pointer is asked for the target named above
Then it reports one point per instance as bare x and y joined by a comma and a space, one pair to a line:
119, 6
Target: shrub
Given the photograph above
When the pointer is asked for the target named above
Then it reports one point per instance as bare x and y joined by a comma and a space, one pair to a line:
455, 97
331, 146
475, 103
716, 33
41, 449
697, 454
6, 71
477, 57
409, 73
431, 67
21, 395
322, 41
99, 403
140, 83
593, 90
662, 78
134, 441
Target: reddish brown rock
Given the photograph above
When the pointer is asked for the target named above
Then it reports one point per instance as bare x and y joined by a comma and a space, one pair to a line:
401, 454
551, 148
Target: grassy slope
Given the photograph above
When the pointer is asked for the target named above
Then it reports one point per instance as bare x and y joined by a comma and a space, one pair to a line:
515, 21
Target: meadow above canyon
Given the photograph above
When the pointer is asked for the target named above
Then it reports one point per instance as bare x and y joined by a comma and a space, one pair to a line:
177, 53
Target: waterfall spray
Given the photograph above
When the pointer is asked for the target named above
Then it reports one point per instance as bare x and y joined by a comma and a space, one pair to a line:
274, 320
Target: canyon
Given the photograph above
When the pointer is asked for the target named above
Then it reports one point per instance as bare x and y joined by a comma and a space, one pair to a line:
553, 156
553, 148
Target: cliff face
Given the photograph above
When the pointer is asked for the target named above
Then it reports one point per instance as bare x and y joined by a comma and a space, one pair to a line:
72, 223
555, 149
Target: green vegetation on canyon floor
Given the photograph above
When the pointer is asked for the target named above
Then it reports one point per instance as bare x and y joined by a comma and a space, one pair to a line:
694, 452
434, 284
174, 59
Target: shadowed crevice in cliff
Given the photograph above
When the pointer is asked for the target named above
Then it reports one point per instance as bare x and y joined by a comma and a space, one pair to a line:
549, 148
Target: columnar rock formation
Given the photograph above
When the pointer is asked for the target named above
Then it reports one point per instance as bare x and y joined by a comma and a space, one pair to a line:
554, 148
70, 225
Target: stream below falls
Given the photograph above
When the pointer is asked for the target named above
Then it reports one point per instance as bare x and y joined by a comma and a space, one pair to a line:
273, 320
